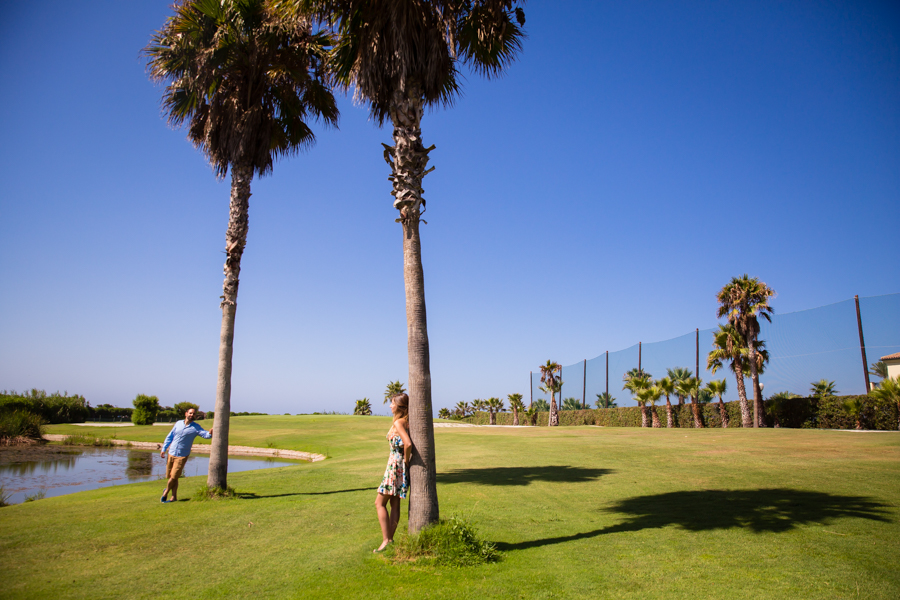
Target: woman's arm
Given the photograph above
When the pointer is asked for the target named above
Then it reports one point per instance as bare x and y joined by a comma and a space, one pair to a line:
404, 435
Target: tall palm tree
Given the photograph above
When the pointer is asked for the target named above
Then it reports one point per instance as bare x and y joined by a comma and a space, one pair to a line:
636, 382
245, 80
515, 404
605, 400
888, 392
363, 407
667, 388
729, 346
552, 384
743, 300
401, 56
394, 388
677, 375
494, 406
822, 389
718, 387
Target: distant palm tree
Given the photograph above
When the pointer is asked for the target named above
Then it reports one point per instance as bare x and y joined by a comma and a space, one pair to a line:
394, 388
515, 404
479, 405
718, 388
636, 381
667, 388
879, 370
494, 405
541, 405
246, 81
775, 405
888, 393
654, 393
729, 346
691, 388
462, 409
677, 375
401, 57
550, 373
363, 407
605, 400
571, 404
444, 413
854, 407
531, 413
743, 300
822, 389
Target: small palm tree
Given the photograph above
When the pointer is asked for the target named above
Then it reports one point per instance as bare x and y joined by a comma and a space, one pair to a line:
679, 374
636, 381
571, 404
531, 413
775, 405
743, 300
691, 388
541, 405
516, 404
822, 389
479, 405
879, 370
654, 393
394, 388
245, 79
494, 406
667, 388
550, 373
718, 387
854, 407
444, 413
462, 409
888, 393
605, 400
363, 407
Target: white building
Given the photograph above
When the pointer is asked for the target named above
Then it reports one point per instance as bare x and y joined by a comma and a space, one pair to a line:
892, 361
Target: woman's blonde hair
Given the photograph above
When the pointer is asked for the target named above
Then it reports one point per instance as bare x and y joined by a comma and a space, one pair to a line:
402, 402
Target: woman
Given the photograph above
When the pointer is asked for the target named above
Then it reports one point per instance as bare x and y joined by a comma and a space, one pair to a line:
396, 477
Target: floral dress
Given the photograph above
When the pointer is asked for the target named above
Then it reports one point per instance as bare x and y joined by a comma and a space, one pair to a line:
396, 479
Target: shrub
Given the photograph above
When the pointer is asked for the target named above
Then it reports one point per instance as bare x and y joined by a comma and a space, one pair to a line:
183, 407
53, 408
145, 409
451, 542
20, 426
38, 495
207, 493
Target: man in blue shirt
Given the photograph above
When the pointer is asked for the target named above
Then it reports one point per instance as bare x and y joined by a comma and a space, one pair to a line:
179, 442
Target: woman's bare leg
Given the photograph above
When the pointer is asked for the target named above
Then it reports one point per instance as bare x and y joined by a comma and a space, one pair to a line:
395, 516
384, 520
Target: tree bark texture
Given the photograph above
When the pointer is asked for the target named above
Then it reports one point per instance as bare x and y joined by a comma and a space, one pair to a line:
723, 413
695, 409
407, 159
492, 418
554, 411
235, 241
746, 417
643, 415
654, 416
515, 417
668, 413
758, 412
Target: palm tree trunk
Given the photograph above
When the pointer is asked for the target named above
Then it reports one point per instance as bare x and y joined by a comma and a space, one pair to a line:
408, 158
723, 413
758, 412
680, 400
493, 418
515, 417
695, 409
235, 241
654, 416
746, 419
643, 415
668, 413
554, 412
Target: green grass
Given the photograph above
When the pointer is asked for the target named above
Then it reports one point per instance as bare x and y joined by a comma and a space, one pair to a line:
576, 512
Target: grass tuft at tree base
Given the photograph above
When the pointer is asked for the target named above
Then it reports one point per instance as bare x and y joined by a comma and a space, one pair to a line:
207, 493
451, 542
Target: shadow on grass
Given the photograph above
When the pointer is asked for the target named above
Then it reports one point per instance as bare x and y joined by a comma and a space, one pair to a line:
253, 496
522, 475
766, 510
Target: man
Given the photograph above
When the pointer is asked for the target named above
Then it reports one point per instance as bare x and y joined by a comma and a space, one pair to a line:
181, 438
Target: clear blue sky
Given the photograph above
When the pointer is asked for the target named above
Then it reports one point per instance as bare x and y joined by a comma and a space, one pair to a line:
634, 159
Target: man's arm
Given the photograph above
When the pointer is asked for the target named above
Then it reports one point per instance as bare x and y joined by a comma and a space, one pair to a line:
202, 432
168, 441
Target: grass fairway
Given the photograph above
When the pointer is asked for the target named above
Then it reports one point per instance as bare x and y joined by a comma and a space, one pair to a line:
579, 512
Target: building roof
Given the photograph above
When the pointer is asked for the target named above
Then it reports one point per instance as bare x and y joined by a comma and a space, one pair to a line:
894, 356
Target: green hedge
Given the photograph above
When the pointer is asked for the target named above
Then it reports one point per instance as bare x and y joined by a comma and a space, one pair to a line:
52, 408
794, 413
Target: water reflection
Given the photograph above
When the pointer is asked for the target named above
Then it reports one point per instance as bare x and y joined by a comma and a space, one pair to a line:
63, 470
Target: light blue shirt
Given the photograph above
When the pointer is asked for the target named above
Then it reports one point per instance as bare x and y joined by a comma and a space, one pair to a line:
182, 437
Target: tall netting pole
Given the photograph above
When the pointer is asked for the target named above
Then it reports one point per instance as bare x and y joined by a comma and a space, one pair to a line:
639, 356
584, 385
697, 355
530, 390
862, 344
607, 373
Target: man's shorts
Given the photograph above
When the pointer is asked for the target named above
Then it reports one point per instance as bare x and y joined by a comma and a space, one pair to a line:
175, 466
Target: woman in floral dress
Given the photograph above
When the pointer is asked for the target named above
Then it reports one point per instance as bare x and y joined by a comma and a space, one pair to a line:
395, 483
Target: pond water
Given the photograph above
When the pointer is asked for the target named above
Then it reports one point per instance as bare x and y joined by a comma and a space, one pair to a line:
58, 470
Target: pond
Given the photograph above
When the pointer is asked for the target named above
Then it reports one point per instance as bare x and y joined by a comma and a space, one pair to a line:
58, 470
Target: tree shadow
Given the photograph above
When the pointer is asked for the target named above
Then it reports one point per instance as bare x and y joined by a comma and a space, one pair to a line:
522, 475
253, 496
765, 510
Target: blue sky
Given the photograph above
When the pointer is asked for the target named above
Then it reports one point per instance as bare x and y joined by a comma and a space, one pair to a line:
634, 159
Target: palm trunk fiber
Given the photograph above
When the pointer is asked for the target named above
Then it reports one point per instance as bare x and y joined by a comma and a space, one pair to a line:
695, 409
235, 241
408, 158
515, 418
654, 416
723, 413
493, 418
746, 417
643, 415
554, 412
668, 413
758, 411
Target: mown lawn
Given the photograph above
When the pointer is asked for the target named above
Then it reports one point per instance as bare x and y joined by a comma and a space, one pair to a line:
579, 512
